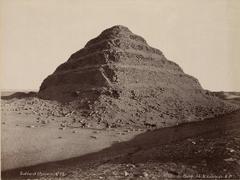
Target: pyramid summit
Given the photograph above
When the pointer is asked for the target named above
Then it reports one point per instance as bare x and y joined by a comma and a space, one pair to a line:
126, 81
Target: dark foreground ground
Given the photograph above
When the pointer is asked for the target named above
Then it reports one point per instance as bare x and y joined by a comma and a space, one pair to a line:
209, 149
205, 150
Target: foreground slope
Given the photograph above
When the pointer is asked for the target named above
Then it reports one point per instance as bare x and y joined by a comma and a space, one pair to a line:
207, 149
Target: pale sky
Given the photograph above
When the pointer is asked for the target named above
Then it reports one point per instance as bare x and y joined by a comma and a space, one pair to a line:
202, 36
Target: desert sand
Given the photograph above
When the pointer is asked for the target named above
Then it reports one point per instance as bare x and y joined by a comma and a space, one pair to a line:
28, 139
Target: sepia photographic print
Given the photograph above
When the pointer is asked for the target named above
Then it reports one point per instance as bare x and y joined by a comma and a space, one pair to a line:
131, 89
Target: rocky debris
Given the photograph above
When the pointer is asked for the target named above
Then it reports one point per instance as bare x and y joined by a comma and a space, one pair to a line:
191, 140
126, 173
230, 150
93, 137
30, 126
44, 111
145, 174
44, 121
230, 159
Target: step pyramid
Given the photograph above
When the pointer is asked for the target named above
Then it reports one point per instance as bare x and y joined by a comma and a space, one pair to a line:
121, 80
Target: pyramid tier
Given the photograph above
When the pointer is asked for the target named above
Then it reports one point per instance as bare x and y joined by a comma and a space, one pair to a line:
115, 76
131, 58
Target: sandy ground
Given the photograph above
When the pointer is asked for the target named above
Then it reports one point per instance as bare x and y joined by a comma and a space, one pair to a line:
35, 150
208, 149
26, 143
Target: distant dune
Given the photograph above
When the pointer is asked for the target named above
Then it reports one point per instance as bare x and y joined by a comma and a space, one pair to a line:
233, 97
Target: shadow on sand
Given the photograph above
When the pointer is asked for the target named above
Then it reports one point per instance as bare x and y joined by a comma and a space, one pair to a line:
141, 142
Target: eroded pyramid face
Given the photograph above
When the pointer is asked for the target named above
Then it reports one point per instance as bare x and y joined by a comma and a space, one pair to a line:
120, 73
115, 61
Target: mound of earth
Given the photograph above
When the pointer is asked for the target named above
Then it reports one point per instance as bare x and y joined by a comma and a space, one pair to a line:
117, 79
19, 95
